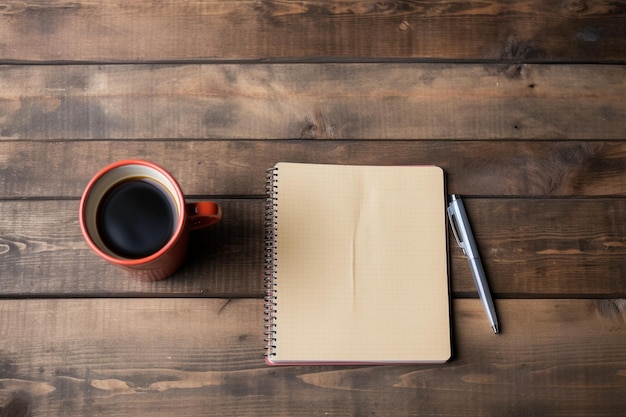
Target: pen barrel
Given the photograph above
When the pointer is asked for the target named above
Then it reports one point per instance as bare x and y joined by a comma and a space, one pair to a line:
483, 288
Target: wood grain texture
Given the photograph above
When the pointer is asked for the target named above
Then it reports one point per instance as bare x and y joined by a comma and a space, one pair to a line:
523, 103
311, 101
530, 248
566, 247
574, 30
43, 252
204, 357
62, 169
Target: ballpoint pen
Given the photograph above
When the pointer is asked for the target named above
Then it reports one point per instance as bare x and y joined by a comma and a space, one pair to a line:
465, 239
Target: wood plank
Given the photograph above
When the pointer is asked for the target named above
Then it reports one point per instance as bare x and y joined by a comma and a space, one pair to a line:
336, 101
530, 248
43, 253
162, 357
62, 169
546, 248
42, 31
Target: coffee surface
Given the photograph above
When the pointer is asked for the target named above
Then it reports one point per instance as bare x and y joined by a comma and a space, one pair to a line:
136, 218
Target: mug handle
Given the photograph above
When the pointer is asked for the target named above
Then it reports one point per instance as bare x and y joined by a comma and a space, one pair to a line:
203, 214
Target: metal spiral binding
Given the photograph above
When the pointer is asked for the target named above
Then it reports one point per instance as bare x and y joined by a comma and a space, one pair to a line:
271, 190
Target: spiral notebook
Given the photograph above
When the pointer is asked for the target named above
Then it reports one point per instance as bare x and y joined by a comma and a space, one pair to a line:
356, 265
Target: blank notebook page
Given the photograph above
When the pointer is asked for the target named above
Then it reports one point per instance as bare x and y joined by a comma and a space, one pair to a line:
360, 265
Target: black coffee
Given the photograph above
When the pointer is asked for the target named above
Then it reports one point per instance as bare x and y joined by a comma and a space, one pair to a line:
136, 218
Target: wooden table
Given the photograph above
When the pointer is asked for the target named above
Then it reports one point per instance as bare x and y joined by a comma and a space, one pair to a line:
522, 103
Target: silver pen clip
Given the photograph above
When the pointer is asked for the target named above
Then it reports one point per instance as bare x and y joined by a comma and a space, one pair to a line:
453, 226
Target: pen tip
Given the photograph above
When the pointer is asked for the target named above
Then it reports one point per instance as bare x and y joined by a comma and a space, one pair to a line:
495, 328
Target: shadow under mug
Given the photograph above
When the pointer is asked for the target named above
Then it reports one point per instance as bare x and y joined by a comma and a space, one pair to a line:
159, 191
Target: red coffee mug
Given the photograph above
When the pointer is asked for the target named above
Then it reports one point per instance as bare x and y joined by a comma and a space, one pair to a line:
160, 187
